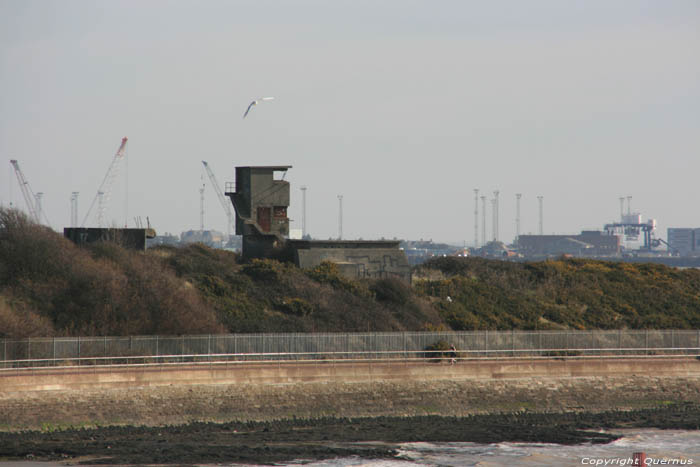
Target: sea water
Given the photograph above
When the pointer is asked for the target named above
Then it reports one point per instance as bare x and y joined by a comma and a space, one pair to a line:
662, 447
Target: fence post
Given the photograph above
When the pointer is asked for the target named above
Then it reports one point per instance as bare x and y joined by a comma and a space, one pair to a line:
619, 341
209, 347
157, 349
486, 343
78, 350
673, 340
405, 354
646, 342
29, 348
54, 351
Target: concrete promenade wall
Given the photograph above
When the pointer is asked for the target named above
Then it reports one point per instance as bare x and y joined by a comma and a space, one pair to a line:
318, 371
171, 395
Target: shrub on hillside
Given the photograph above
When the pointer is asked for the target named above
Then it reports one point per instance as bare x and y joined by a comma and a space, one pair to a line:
159, 302
103, 289
567, 293
328, 273
391, 290
296, 307
196, 258
266, 270
18, 321
439, 350
28, 249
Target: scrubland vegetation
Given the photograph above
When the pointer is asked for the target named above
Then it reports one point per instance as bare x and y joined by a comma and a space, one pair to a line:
50, 287
562, 294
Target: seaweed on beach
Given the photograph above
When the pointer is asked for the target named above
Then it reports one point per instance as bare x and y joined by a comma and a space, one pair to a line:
323, 438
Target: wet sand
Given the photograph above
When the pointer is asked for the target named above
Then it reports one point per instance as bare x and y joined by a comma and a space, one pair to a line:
324, 438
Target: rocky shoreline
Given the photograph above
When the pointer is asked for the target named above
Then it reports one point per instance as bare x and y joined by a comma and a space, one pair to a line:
265, 442
182, 404
272, 423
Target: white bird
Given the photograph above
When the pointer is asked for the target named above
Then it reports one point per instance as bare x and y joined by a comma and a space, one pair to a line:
256, 102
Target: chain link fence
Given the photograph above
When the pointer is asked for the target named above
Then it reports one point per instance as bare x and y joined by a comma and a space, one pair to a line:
66, 351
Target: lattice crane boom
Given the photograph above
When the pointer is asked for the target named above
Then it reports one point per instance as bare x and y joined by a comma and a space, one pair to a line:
220, 194
105, 190
27, 193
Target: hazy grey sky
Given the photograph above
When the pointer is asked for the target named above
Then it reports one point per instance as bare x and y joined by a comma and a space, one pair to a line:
403, 107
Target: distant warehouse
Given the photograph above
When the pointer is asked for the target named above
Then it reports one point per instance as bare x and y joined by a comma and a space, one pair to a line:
684, 241
589, 243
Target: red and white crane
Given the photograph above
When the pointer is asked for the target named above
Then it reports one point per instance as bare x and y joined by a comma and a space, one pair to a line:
105, 190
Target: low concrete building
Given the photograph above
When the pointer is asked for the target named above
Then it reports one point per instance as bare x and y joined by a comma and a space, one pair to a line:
261, 203
134, 239
356, 259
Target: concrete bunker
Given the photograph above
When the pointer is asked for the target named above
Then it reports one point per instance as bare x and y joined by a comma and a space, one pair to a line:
134, 239
261, 204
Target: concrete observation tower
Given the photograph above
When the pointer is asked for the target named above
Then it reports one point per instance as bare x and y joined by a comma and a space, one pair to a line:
261, 204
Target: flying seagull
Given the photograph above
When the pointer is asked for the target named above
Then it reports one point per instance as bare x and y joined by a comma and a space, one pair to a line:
256, 102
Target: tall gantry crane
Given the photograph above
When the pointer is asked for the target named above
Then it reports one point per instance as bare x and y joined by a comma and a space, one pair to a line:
220, 194
29, 197
105, 189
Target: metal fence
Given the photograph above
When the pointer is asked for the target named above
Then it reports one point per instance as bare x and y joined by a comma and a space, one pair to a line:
66, 351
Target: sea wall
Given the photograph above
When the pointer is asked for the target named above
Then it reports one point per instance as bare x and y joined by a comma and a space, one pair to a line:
161, 396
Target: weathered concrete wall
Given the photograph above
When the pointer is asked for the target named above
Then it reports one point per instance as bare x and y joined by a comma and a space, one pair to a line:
355, 259
134, 239
155, 396
258, 193
319, 371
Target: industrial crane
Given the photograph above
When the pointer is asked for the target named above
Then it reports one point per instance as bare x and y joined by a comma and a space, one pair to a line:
220, 194
105, 189
31, 199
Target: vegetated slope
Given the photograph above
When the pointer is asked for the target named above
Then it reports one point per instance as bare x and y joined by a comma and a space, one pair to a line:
270, 296
49, 286
568, 293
